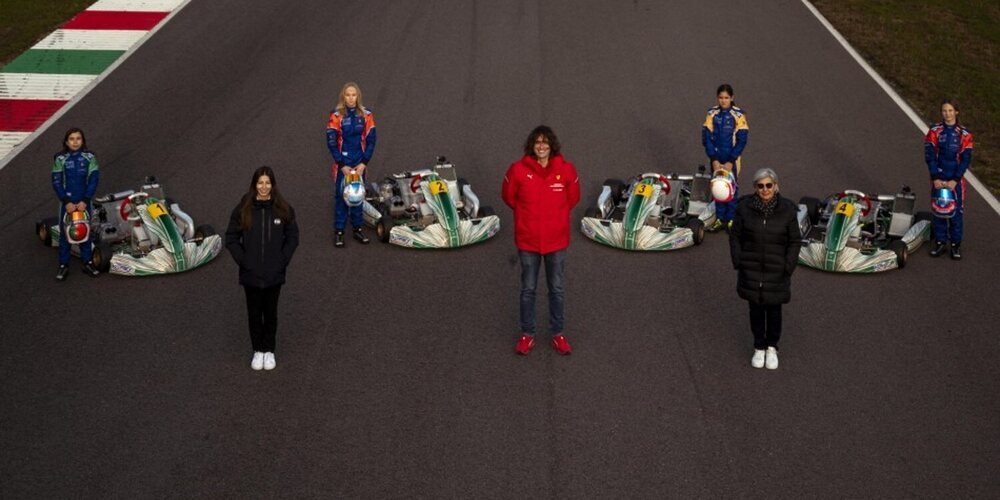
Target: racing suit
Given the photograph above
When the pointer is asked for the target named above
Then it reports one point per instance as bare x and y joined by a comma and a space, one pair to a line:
351, 140
74, 179
724, 136
948, 153
542, 198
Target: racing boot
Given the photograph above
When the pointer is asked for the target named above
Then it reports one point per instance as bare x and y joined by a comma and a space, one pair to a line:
338, 239
62, 273
90, 270
360, 236
715, 226
561, 345
524, 345
956, 253
937, 249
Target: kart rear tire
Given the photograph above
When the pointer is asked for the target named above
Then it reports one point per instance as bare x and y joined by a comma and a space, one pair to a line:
203, 231
486, 211
383, 226
697, 228
43, 230
902, 254
101, 257
813, 208
617, 189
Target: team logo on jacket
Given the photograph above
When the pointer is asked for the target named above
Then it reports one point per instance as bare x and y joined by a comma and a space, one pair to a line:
558, 177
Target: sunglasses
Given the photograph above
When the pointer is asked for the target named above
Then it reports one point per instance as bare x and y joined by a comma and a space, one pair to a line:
765, 185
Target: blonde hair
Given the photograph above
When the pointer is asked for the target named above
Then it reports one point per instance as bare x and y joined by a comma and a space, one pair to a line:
342, 102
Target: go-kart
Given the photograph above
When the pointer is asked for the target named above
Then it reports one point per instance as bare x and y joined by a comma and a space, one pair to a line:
853, 232
429, 208
651, 212
140, 233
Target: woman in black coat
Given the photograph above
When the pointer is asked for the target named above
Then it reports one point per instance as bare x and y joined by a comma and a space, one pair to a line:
262, 237
764, 242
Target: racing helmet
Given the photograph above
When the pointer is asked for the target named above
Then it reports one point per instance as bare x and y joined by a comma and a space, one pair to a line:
944, 203
723, 186
354, 190
77, 226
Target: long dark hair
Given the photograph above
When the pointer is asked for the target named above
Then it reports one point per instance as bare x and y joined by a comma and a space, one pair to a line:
83, 144
281, 207
954, 105
550, 136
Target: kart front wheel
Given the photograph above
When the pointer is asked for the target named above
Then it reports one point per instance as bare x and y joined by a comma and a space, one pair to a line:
101, 257
902, 253
617, 189
203, 231
384, 225
813, 208
697, 228
43, 229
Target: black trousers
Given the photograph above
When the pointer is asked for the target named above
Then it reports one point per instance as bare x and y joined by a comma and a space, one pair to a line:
262, 312
765, 323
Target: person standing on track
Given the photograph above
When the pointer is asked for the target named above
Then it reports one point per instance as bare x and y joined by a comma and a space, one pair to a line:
74, 178
350, 135
948, 153
542, 188
764, 244
724, 135
262, 237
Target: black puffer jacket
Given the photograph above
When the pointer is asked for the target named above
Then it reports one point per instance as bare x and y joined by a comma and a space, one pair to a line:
765, 251
264, 251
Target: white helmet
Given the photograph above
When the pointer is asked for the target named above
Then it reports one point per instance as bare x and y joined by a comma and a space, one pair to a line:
723, 186
354, 190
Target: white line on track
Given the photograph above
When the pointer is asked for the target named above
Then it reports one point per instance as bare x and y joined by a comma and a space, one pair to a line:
919, 122
7, 156
90, 39
137, 5
8, 140
42, 86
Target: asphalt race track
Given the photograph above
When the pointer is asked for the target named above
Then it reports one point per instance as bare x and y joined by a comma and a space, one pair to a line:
396, 373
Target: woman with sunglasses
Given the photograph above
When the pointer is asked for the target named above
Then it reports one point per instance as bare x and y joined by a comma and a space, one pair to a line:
764, 243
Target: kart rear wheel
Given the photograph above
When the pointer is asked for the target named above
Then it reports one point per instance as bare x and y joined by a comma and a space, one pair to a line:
43, 229
617, 189
899, 248
101, 257
813, 208
383, 226
486, 211
203, 231
697, 227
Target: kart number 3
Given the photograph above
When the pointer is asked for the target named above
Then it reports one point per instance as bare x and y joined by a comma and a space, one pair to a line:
844, 208
643, 190
438, 187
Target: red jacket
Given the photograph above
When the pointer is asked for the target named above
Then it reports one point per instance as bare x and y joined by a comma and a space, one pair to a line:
542, 198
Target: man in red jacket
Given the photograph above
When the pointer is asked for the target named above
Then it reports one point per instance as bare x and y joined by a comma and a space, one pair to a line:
542, 188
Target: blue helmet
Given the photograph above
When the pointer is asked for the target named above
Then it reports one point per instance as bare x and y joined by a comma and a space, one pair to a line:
944, 203
354, 190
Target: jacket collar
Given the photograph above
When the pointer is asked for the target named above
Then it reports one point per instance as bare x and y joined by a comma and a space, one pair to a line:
555, 162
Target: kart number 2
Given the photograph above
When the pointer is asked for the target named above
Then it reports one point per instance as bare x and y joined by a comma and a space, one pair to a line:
438, 187
844, 208
155, 210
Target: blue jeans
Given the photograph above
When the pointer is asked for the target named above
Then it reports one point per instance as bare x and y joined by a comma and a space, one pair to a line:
341, 210
555, 263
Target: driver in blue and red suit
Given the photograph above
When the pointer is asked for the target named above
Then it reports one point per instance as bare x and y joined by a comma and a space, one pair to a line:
350, 135
74, 179
724, 135
948, 153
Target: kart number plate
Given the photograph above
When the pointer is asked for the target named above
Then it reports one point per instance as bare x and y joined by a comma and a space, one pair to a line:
438, 187
155, 210
844, 208
645, 190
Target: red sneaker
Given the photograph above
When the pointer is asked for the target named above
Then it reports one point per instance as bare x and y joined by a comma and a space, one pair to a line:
561, 345
525, 345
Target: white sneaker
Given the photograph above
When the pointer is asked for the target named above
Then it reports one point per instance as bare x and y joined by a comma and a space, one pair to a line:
772, 359
269, 361
258, 361
757, 361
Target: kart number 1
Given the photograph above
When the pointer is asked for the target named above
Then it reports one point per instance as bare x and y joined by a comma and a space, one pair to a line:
844, 208
643, 190
438, 187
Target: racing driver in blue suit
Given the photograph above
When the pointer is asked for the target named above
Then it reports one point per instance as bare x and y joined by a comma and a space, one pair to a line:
74, 179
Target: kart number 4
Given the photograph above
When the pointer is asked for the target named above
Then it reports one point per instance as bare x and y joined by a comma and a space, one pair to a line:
844, 208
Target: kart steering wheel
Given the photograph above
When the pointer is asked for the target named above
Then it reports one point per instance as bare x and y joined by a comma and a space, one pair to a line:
662, 178
415, 183
861, 197
128, 210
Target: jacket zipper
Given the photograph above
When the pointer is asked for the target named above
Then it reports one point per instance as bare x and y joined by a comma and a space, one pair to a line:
760, 287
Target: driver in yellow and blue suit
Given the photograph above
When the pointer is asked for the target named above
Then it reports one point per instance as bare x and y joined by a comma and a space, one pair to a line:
724, 135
